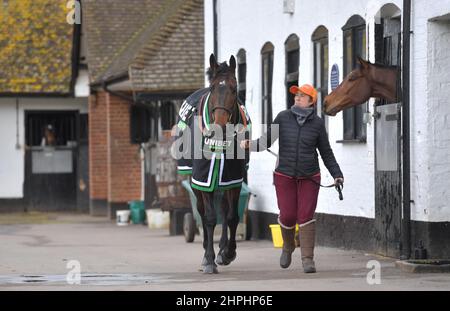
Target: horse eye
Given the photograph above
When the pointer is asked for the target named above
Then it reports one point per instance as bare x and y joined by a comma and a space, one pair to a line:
353, 78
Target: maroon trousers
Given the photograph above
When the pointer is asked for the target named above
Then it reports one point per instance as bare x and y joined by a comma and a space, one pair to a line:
297, 198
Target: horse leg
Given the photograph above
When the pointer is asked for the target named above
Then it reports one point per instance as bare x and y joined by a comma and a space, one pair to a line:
201, 211
233, 221
224, 238
229, 252
210, 224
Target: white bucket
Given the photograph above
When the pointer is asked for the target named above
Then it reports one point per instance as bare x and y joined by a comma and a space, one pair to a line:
123, 217
158, 219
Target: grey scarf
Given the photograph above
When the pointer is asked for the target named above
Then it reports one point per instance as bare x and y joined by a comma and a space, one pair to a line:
302, 114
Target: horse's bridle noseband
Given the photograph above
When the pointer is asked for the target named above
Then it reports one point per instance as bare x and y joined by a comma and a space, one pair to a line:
223, 108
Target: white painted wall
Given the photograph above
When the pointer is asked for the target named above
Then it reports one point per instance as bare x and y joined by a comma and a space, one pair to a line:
242, 24
12, 132
430, 202
438, 126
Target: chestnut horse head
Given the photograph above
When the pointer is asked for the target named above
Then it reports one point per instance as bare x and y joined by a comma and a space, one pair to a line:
369, 80
223, 100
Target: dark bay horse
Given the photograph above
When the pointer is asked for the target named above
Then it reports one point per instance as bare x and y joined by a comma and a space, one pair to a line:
221, 172
369, 80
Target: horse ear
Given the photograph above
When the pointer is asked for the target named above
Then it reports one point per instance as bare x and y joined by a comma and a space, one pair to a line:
364, 64
213, 62
232, 63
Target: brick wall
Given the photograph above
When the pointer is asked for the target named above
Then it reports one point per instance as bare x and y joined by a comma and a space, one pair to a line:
124, 165
98, 151
114, 163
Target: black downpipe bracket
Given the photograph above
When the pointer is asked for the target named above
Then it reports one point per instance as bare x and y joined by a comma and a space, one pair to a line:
406, 219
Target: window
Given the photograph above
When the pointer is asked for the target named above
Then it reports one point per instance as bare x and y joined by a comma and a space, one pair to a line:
320, 46
292, 51
388, 47
242, 75
63, 126
354, 34
140, 124
267, 73
168, 115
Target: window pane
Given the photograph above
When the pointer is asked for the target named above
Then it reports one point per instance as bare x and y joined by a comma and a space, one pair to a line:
241, 95
349, 124
348, 54
324, 89
267, 69
242, 71
363, 43
293, 61
289, 95
269, 90
317, 65
359, 131
265, 76
325, 68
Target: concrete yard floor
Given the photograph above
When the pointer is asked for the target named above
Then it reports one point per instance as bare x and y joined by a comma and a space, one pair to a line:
34, 255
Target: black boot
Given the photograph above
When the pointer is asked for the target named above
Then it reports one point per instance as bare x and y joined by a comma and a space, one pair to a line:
288, 246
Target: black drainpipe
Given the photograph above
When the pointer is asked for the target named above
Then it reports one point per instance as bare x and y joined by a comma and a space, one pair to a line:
406, 220
215, 27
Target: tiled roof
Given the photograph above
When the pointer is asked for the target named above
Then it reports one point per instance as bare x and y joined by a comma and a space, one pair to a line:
173, 59
146, 38
35, 47
114, 30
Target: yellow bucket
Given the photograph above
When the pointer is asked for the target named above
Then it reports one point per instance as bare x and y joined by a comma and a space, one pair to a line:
277, 238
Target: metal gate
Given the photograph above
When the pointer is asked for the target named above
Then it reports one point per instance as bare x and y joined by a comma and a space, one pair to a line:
388, 182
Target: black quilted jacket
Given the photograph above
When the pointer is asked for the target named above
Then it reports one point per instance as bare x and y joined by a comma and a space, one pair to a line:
298, 146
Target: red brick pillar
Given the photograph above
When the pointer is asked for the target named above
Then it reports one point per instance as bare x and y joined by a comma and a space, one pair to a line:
124, 163
98, 155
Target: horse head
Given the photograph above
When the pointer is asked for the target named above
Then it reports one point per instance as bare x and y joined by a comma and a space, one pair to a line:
223, 87
369, 80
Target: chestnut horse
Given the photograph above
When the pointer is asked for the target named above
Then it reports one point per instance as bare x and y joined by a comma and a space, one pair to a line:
369, 80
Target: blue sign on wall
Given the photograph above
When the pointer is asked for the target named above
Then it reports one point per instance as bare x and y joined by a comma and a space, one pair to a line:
334, 79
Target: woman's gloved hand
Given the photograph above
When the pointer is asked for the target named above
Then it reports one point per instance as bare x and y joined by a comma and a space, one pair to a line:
339, 180
245, 144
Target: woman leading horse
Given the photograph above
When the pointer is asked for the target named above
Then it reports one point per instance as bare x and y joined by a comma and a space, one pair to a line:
297, 175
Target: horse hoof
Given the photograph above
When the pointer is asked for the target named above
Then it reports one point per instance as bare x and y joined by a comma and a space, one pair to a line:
203, 264
223, 260
219, 260
210, 269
